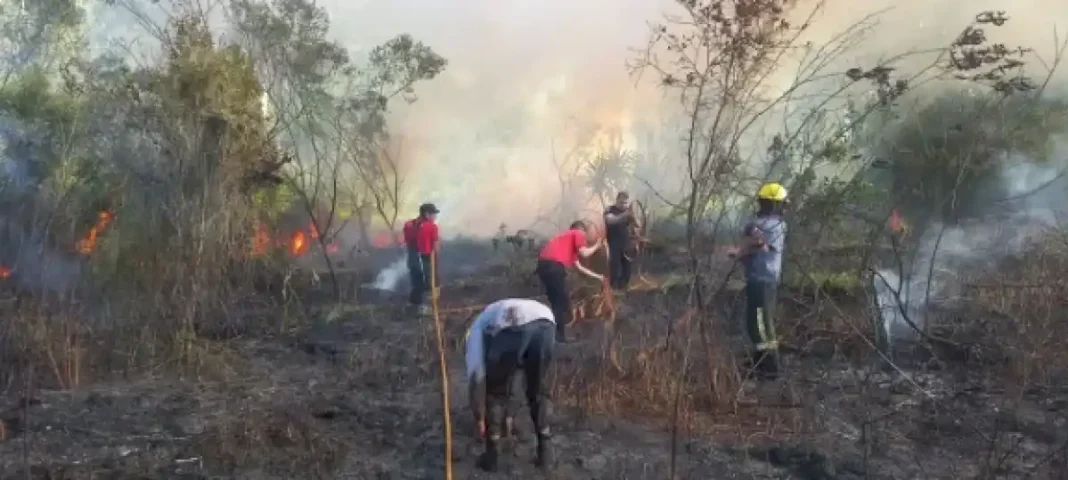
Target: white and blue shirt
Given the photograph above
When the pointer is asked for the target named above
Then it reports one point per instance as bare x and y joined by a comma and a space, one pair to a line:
510, 312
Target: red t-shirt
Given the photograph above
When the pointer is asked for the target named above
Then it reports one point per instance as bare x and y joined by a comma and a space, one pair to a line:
422, 239
564, 248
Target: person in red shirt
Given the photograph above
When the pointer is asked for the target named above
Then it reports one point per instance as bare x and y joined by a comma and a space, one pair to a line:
562, 252
421, 239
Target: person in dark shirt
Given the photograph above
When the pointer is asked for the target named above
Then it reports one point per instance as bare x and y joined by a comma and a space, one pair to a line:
618, 219
421, 240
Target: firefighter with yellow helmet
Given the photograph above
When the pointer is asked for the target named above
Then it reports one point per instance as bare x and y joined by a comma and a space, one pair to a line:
763, 241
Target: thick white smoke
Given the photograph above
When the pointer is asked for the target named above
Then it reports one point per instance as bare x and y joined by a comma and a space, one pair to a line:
1034, 194
390, 277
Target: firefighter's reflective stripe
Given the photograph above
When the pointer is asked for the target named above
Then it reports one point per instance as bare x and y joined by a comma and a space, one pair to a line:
772, 345
767, 342
760, 325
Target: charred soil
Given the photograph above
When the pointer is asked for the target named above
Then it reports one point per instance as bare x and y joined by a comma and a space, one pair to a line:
354, 391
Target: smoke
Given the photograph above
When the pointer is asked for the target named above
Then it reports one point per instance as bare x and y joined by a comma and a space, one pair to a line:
33, 265
533, 90
389, 278
529, 86
528, 82
1032, 193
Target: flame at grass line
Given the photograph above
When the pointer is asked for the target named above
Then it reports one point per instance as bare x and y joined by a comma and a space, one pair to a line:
386, 239
84, 246
313, 232
297, 244
89, 242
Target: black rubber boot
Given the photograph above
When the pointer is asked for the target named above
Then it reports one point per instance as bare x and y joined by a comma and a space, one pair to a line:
494, 424
544, 459
488, 461
751, 365
768, 366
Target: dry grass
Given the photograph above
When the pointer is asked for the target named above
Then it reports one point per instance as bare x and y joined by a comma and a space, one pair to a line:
661, 362
49, 338
1013, 317
271, 439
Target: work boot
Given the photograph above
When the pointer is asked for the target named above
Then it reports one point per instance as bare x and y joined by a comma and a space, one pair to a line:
761, 365
544, 459
768, 366
488, 460
750, 364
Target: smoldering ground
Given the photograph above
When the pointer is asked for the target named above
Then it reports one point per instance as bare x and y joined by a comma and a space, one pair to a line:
1027, 201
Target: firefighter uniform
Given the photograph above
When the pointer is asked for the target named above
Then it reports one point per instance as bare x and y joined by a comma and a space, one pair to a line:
765, 237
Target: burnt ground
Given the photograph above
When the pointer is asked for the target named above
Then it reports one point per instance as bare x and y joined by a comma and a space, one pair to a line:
354, 392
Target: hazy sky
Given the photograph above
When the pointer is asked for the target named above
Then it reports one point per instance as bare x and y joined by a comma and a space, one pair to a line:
519, 71
523, 74
519, 74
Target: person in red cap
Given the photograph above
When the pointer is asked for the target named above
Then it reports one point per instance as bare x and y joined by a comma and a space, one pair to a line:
562, 252
421, 239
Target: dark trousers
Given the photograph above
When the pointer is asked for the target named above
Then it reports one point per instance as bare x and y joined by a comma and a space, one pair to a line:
619, 265
527, 348
553, 277
419, 276
760, 300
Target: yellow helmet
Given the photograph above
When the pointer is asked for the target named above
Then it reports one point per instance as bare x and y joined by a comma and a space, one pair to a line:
773, 191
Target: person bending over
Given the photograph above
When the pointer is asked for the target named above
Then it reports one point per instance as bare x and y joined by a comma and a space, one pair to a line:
562, 252
508, 336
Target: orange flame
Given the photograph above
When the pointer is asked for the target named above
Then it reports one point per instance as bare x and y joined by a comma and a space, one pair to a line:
383, 240
897, 223
298, 243
313, 231
4, 272
89, 243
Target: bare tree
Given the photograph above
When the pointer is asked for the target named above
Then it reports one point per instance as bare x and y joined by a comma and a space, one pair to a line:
331, 113
724, 59
379, 176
